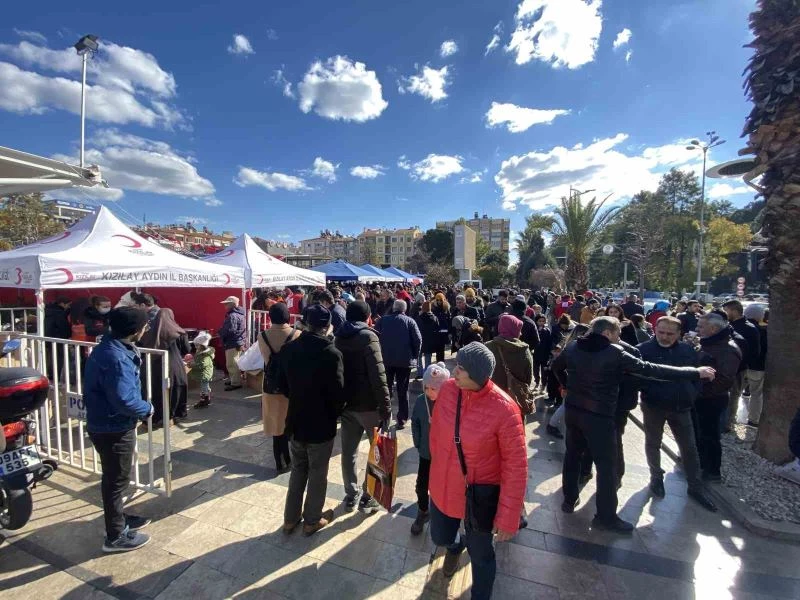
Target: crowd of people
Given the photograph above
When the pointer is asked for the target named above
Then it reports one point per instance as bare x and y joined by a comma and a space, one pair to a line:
353, 347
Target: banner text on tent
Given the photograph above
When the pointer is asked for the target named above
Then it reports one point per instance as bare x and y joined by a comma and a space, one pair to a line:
147, 276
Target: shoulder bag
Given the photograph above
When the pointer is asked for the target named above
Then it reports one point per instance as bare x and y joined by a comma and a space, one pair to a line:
481, 498
520, 391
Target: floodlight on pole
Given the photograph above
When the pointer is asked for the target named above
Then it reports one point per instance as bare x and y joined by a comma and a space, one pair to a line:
713, 142
86, 46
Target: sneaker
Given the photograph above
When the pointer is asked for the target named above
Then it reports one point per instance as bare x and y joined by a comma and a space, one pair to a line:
615, 525
368, 505
702, 499
400, 425
203, 403
423, 516
349, 503
127, 542
569, 507
324, 520
451, 560
134, 523
657, 487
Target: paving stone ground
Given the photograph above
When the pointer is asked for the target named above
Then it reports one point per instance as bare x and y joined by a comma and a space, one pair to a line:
219, 536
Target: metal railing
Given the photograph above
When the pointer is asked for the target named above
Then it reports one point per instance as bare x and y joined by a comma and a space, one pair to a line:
258, 321
16, 319
67, 440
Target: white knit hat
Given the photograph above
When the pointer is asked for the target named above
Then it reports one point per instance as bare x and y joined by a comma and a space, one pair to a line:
202, 339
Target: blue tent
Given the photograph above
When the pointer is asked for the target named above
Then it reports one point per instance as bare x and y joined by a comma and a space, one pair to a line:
407, 276
341, 270
384, 275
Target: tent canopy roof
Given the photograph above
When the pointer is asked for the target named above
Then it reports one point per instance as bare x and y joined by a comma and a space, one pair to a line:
22, 173
384, 275
341, 270
101, 251
406, 276
261, 269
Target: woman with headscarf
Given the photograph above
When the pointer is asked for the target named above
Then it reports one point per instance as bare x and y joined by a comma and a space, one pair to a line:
275, 406
166, 334
512, 355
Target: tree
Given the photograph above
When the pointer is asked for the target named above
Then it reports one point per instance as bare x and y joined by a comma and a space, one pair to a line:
439, 245
482, 248
724, 237
440, 275
773, 127
531, 250
418, 262
25, 219
369, 252
494, 269
579, 226
546, 278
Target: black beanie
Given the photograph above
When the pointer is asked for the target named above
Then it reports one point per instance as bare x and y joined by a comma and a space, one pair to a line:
126, 320
279, 313
358, 311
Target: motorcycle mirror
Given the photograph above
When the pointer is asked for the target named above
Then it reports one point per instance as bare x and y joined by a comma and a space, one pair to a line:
11, 346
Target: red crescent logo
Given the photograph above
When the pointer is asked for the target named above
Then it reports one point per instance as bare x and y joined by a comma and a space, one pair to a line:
68, 273
136, 243
260, 279
63, 236
227, 278
19, 275
227, 253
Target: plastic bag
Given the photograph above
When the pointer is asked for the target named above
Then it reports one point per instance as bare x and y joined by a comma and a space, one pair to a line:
557, 418
251, 359
382, 466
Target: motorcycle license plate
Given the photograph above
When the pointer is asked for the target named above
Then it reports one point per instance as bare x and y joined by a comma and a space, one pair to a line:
19, 460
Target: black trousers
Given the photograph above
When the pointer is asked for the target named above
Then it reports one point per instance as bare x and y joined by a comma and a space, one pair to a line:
401, 375
708, 428
620, 420
280, 450
423, 479
597, 434
540, 372
553, 392
116, 459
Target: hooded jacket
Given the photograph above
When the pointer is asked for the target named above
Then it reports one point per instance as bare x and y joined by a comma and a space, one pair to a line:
542, 352
669, 395
592, 369
493, 442
518, 359
365, 387
722, 353
429, 330
312, 373
203, 367
233, 330
400, 340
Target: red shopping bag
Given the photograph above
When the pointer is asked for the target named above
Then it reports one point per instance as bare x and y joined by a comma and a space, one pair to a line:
382, 466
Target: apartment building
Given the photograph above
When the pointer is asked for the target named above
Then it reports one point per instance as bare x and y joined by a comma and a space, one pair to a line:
388, 246
496, 232
331, 244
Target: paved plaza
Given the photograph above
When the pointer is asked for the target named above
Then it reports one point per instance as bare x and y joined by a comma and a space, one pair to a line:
219, 535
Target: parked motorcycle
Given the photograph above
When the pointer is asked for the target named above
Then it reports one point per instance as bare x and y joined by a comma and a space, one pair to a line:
22, 392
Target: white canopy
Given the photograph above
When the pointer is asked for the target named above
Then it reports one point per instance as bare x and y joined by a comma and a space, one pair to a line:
261, 269
101, 251
21, 173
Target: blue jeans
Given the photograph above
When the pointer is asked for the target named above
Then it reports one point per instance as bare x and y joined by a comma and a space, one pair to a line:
480, 546
423, 364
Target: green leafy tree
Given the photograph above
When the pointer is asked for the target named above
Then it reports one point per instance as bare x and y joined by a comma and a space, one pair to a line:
25, 219
482, 248
438, 245
531, 250
439, 274
724, 237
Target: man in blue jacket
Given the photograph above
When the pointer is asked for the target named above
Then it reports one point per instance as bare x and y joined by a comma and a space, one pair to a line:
401, 342
671, 402
232, 334
112, 394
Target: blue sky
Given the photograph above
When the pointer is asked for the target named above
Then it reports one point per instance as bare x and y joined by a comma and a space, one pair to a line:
283, 118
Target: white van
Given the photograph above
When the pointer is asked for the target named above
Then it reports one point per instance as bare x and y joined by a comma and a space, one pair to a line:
476, 284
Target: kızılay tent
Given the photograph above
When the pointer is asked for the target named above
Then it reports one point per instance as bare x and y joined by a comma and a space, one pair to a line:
384, 275
261, 269
408, 277
341, 270
101, 251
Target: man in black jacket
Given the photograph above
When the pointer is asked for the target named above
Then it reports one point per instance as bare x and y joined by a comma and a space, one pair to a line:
542, 353
312, 373
671, 402
751, 353
366, 396
591, 369
632, 306
494, 311
530, 333
688, 319
56, 325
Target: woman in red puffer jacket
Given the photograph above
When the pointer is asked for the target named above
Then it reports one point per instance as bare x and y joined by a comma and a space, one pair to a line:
493, 442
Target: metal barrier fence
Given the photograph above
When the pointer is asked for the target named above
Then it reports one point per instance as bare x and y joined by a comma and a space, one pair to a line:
16, 319
66, 440
259, 321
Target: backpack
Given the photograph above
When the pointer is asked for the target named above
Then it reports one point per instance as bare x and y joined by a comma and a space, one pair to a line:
272, 370
519, 391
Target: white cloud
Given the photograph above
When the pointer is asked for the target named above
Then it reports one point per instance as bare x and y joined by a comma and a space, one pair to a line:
279, 79
428, 82
240, 45
368, 171
272, 35
33, 36
271, 181
343, 89
79, 194
475, 177
539, 178
623, 37
125, 85
495, 41
324, 169
191, 219
723, 190
562, 33
519, 118
130, 162
404, 163
449, 47
434, 167
212, 202
628, 56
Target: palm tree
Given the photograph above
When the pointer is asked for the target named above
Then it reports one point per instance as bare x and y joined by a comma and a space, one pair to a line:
578, 226
773, 81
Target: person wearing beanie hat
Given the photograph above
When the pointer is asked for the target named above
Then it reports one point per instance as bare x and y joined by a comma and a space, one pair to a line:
530, 332
494, 311
366, 398
431, 339
433, 379
112, 393
514, 369
492, 440
203, 367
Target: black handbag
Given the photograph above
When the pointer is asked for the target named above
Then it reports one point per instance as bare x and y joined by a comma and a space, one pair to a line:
481, 498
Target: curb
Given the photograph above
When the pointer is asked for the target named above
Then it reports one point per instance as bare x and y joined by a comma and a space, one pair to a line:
740, 511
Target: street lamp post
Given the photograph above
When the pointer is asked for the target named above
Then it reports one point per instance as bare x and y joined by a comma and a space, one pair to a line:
85, 46
713, 141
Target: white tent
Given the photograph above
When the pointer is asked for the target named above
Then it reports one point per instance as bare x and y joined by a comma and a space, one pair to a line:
261, 269
101, 251
21, 173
